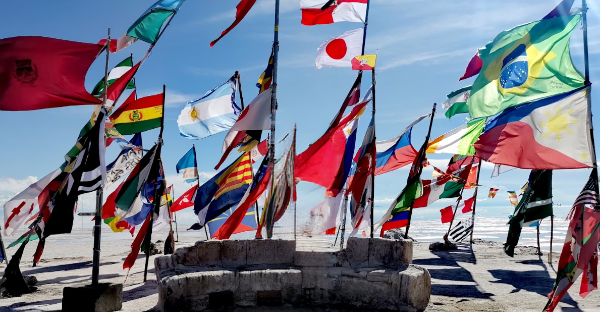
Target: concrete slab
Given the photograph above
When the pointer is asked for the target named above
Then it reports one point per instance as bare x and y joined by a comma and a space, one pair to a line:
104, 297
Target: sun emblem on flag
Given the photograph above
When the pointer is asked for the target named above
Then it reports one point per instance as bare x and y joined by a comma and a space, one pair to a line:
558, 123
194, 113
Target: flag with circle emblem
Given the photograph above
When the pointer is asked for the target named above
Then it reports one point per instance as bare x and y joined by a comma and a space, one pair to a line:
340, 51
523, 64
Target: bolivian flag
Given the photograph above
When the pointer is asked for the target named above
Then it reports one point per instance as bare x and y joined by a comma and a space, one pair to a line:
139, 115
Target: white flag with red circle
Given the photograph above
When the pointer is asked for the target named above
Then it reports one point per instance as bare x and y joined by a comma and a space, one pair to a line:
339, 52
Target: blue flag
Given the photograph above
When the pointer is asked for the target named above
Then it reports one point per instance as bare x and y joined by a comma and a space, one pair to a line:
188, 165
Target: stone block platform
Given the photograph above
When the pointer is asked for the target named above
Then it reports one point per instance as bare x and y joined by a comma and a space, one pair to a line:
370, 273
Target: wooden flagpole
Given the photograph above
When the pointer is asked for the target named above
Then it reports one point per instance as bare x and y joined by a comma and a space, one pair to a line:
410, 212
99, 192
274, 101
475, 200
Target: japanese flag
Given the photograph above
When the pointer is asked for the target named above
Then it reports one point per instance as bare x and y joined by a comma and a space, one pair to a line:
339, 52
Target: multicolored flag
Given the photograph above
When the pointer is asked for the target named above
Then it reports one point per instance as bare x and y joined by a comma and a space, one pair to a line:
580, 252
115, 74
264, 81
396, 153
39, 72
535, 205
493, 192
340, 51
145, 169
553, 133
260, 150
364, 62
445, 186
457, 102
125, 162
242, 9
458, 141
360, 187
256, 116
466, 205
110, 217
512, 196
140, 115
524, 64
318, 12
214, 112
188, 165
224, 190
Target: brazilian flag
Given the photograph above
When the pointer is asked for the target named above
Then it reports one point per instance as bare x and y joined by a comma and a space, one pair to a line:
526, 63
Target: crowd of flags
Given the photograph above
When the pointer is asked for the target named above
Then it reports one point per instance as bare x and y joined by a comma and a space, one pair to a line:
525, 81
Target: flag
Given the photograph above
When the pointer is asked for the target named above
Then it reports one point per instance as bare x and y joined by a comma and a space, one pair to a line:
188, 165
264, 81
475, 64
12, 280
86, 173
115, 90
140, 115
242, 9
396, 153
512, 196
457, 102
185, 201
316, 12
535, 205
499, 169
137, 244
247, 223
260, 150
364, 62
461, 230
239, 219
526, 63
115, 74
472, 179
147, 27
493, 192
580, 252
552, 133
447, 214
232, 139
110, 217
125, 162
458, 141
20, 207
29, 235
224, 190
352, 98
256, 116
339, 51
320, 162
215, 112
361, 193
145, 170
39, 72
444, 186
466, 205
399, 220
524, 188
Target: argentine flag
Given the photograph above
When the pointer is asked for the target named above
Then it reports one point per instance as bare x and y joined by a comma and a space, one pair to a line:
215, 112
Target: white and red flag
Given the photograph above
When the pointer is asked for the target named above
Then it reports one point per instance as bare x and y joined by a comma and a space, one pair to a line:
317, 12
339, 52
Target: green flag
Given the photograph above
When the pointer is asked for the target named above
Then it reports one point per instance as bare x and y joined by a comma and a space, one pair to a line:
457, 102
535, 205
113, 75
526, 63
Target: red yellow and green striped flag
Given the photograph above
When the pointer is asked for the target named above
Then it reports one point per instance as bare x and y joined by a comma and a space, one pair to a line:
139, 115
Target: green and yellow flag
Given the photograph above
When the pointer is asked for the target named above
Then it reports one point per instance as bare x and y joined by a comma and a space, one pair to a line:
526, 63
139, 115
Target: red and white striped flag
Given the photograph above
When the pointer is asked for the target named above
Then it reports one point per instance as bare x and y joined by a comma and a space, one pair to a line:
318, 12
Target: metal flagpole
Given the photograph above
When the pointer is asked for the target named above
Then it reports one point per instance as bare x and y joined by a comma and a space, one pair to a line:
374, 140
410, 212
475, 200
551, 236
99, 193
274, 101
343, 226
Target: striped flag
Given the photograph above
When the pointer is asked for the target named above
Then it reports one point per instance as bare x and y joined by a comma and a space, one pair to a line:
493, 192
512, 196
115, 74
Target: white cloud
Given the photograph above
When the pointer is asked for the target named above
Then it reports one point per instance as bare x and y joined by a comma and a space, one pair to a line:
384, 201
12, 186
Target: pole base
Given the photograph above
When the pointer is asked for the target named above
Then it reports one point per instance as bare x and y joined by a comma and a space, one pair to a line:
104, 297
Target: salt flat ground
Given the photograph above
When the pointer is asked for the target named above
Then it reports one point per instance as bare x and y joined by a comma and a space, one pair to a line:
481, 279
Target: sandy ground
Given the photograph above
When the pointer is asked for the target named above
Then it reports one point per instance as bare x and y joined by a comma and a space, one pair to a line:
481, 279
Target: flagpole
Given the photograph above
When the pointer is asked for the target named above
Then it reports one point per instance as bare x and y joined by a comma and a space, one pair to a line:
99, 192
475, 199
238, 77
551, 236
274, 100
175, 215
410, 212
343, 226
198, 182
374, 140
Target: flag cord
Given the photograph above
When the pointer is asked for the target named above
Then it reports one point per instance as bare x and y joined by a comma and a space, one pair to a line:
99, 192
274, 102
475, 200
420, 167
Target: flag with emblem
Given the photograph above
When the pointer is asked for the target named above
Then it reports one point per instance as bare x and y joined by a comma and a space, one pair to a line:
188, 165
126, 161
140, 115
364, 62
526, 63
115, 74
534, 205
553, 133
214, 112
457, 102
185, 200
224, 190
340, 51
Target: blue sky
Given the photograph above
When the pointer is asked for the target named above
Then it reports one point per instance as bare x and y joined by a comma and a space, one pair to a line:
423, 48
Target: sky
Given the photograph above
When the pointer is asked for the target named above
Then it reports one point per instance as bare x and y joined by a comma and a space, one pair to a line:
423, 48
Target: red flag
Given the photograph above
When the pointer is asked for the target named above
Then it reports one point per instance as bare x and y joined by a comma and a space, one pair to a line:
109, 208
242, 9
137, 244
473, 68
468, 205
447, 214
113, 45
117, 87
40, 72
237, 139
185, 201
